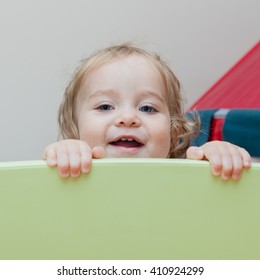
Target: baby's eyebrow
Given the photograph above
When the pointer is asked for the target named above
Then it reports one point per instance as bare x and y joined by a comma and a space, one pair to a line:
149, 93
114, 94
106, 92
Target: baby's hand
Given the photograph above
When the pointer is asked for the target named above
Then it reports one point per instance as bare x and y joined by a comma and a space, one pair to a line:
226, 160
72, 157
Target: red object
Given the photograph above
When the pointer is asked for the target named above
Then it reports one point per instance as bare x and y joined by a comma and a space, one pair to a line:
216, 129
239, 88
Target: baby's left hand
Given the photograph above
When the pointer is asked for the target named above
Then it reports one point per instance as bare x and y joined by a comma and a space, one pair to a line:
226, 160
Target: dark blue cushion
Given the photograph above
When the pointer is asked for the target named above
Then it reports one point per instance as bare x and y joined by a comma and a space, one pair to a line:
242, 128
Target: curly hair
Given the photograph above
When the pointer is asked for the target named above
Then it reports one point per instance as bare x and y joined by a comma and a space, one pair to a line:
182, 128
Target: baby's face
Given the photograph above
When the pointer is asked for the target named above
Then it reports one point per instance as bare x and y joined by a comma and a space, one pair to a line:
123, 108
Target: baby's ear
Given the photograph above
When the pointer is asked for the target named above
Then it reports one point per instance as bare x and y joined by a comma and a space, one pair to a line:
194, 152
98, 152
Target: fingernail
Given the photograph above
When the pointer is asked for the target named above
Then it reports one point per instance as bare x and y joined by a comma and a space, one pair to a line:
216, 174
236, 176
85, 170
64, 174
199, 153
51, 162
225, 178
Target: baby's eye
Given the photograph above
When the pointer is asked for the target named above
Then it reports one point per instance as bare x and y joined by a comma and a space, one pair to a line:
105, 107
147, 109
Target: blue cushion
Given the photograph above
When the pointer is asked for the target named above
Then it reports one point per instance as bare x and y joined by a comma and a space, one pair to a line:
242, 128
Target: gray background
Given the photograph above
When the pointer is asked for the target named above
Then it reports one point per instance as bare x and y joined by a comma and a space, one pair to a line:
42, 42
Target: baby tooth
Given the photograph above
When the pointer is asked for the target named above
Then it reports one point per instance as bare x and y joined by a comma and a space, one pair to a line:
126, 139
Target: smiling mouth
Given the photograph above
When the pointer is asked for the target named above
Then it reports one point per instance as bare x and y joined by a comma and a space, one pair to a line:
127, 143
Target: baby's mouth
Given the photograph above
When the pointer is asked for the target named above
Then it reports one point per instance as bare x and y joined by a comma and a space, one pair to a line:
127, 143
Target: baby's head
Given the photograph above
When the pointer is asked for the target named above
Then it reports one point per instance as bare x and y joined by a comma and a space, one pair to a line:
128, 101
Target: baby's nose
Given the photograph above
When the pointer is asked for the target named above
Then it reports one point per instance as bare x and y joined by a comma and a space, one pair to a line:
128, 118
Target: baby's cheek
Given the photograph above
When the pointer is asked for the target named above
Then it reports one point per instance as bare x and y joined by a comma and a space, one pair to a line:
164, 144
88, 138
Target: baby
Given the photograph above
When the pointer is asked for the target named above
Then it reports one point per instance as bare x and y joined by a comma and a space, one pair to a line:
125, 102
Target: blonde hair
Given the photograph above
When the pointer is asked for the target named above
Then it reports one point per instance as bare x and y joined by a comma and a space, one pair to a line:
182, 128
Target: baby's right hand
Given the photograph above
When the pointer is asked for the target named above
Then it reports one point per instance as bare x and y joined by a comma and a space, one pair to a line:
71, 157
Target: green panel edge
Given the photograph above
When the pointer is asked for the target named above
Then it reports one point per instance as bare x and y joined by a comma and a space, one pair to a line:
128, 209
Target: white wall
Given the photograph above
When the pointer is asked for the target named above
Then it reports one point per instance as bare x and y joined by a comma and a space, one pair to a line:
42, 41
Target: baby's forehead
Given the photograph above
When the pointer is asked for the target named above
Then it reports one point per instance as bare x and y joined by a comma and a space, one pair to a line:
103, 60
134, 69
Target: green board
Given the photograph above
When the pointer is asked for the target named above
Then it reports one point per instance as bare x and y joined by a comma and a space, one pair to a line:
128, 209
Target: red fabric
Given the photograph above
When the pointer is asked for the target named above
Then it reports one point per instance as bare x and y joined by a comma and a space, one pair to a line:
216, 132
239, 88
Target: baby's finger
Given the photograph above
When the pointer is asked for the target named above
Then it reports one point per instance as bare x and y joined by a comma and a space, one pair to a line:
213, 155
194, 152
74, 159
50, 155
237, 166
98, 152
228, 154
245, 157
63, 160
86, 158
